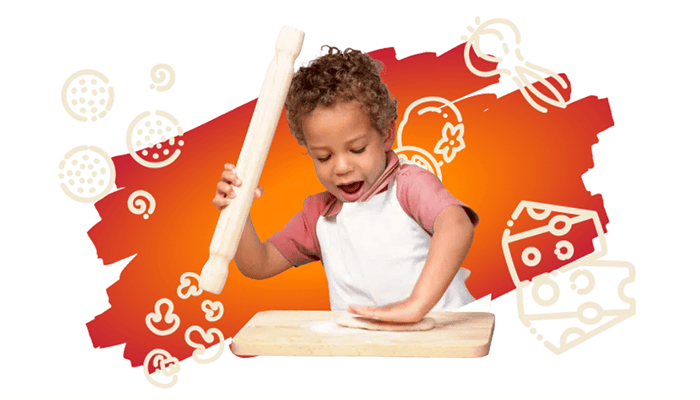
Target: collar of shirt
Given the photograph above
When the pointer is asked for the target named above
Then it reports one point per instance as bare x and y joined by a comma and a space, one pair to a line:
382, 184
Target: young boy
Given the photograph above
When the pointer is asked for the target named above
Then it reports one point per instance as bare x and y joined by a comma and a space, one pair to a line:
391, 238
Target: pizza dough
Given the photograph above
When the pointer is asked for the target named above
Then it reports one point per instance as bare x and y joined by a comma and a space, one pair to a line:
353, 321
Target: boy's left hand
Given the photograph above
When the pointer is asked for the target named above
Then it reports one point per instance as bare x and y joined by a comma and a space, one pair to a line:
406, 311
452, 237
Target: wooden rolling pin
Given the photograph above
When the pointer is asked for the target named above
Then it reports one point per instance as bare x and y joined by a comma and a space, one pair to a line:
252, 158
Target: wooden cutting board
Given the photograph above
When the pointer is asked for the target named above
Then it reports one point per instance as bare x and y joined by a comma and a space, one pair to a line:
315, 333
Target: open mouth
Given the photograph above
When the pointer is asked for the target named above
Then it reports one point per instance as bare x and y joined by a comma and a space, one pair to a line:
351, 188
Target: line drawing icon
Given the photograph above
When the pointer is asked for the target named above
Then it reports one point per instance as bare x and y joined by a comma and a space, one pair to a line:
213, 310
137, 205
519, 73
170, 317
159, 74
566, 294
163, 363
87, 174
188, 287
154, 140
199, 349
450, 143
87, 94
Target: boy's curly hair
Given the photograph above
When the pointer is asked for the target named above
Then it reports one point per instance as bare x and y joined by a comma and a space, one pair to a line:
340, 76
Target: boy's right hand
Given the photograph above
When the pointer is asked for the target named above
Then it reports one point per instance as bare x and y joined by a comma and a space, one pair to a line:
224, 188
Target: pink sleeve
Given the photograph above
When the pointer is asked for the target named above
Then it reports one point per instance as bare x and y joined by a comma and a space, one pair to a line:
297, 241
422, 196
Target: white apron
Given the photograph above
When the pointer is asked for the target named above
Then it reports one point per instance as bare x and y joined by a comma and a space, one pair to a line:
373, 254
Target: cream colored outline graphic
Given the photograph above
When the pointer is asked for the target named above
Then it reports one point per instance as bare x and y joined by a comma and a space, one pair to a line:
564, 244
544, 280
445, 146
432, 165
133, 152
158, 75
64, 94
521, 71
448, 152
192, 290
591, 280
535, 252
213, 310
138, 206
170, 317
199, 349
163, 362
531, 208
105, 157
619, 314
540, 212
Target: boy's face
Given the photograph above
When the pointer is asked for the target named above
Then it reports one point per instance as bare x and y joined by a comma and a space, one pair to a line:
349, 155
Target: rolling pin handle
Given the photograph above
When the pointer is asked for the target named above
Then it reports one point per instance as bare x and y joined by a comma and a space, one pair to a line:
214, 274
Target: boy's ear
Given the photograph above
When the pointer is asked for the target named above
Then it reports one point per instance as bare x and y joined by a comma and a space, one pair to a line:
390, 136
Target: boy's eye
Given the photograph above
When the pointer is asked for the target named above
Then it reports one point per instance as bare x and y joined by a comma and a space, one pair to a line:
358, 151
323, 159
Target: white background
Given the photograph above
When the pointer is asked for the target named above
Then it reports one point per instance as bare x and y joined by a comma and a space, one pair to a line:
643, 59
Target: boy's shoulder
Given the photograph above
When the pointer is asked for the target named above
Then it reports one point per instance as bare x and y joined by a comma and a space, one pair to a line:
410, 172
422, 195
318, 199
318, 204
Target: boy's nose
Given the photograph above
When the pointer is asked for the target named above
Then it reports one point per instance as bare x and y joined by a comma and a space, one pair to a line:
341, 166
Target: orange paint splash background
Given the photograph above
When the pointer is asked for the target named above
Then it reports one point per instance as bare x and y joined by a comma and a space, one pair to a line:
513, 153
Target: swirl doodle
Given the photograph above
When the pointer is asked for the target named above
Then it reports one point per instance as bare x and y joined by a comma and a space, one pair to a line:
138, 206
209, 338
164, 363
87, 174
87, 93
158, 75
213, 310
185, 283
170, 318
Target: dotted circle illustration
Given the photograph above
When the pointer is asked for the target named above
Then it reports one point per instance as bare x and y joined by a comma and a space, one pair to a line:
87, 174
154, 140
86, 95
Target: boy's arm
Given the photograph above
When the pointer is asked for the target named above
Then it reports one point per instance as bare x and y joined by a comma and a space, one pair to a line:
254, 259
452, 238
258, 260
295, 244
